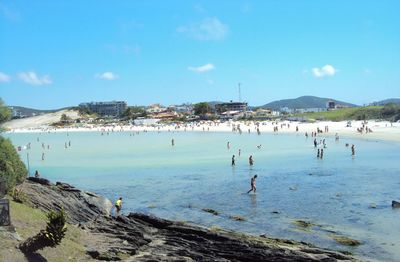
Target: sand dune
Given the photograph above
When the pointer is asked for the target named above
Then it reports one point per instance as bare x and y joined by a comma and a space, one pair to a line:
40, 121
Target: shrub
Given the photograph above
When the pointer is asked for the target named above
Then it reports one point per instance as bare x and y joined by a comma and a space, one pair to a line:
50, 237
18, 195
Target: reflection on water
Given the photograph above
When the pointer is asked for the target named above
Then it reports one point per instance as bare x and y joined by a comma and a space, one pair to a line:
339, 194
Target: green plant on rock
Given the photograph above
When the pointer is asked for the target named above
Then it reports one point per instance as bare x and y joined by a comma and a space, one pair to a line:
51, 237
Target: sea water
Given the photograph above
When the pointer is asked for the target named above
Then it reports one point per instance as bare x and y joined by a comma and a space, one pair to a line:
340, 194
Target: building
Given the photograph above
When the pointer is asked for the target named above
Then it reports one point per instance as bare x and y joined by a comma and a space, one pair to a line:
15, 113
155, 108
330, 105
183, 108
231, 106
145, 121
310, 110
113, 108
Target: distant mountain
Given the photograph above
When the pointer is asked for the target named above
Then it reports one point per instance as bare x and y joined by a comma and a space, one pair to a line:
304, 102
387, 101
20, 111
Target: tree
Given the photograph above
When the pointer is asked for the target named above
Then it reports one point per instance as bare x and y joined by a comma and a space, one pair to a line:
50, 237
64, 118
202, 108
5, 112
12, 169
134, 112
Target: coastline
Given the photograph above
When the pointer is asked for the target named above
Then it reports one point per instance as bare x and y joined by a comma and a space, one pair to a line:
381, 130
141, 237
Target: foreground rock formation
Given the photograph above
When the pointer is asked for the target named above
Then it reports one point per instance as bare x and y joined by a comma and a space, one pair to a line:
139, 237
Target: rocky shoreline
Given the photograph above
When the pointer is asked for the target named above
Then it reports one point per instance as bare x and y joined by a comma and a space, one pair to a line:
140, 237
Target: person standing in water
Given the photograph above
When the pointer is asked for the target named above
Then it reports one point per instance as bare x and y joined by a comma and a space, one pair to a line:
172, 142
228, 145
353, 150
118, 205
233, 160
253, 184
251, 161
240, 151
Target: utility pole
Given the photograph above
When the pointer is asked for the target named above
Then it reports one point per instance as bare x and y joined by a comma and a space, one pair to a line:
27, 160
240, 94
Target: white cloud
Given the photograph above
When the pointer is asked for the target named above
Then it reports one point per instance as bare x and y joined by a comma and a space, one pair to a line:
326, 70
4, 78
208, 29
202, 69
33, 79
107, 76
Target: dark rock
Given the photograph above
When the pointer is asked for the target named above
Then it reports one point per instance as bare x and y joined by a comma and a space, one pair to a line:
395, 204
93, 253
148, 238
39, 180
151, 220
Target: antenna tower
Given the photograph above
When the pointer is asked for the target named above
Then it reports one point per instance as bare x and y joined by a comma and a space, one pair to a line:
240, 94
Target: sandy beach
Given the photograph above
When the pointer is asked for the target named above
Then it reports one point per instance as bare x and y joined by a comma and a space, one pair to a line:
381, 130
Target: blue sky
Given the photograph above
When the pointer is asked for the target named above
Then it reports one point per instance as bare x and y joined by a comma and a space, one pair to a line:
60, 53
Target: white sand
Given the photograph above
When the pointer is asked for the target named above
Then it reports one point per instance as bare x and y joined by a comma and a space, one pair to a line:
381, 130
40, 121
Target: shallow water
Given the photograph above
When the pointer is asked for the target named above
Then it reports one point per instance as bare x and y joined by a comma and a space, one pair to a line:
177, 182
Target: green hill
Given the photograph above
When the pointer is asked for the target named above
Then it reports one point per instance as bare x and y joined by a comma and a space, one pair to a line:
304, 102
389, 112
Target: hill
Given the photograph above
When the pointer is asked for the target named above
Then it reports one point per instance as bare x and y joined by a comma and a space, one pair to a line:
42, 120
388, 101
21, 111
304, 102
387, 112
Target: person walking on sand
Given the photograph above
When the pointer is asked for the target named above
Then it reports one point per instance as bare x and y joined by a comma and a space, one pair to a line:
253, 184
118, 205
233, 160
